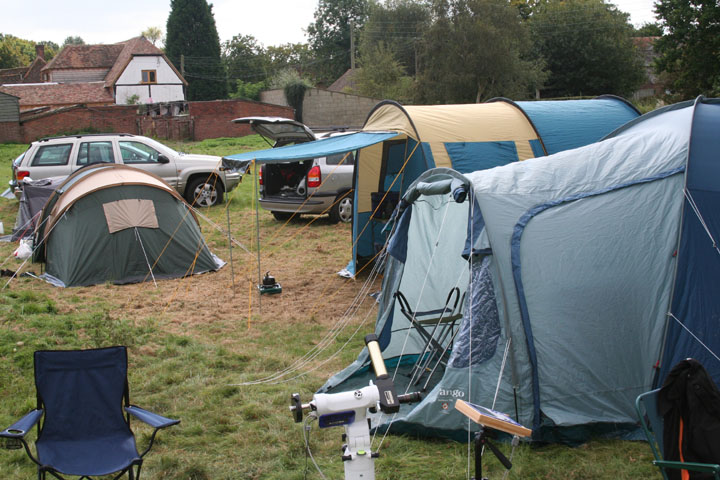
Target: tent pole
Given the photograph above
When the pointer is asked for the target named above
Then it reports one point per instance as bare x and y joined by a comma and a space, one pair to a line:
257, 232
232, 268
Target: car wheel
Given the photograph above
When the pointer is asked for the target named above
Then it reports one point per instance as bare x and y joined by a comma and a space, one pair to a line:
205, 192
282, 216
342, 211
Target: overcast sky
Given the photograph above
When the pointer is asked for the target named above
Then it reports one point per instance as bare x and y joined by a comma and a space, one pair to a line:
272, 22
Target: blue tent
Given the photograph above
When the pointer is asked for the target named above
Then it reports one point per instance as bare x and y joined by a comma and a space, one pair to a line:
463, 137
583, 277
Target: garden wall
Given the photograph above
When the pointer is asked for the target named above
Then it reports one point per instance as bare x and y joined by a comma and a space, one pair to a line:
203, 120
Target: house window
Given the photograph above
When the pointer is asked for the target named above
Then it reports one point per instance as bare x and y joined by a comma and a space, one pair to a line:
149, 76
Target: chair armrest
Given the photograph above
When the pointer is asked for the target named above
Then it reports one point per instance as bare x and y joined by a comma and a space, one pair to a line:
152, 419
695, 467
22, 426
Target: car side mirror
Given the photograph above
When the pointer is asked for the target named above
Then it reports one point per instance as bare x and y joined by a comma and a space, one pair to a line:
163, 159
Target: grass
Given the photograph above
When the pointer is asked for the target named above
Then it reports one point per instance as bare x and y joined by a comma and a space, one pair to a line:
191, 341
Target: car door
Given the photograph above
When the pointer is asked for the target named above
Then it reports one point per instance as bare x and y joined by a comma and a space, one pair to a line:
136, 153
337, 172
92, 152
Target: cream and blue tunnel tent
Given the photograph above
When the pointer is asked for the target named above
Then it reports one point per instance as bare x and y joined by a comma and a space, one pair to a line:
583, 277
398, 143
118, 224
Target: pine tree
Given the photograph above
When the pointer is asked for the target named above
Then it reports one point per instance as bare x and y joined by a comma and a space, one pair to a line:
191, 33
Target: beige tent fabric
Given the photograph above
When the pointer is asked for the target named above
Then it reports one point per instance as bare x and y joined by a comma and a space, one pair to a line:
437, 125
134, 212
107, 176
476, 122
369, 162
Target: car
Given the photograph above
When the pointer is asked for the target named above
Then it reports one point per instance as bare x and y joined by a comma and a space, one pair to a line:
314, 186
200, 179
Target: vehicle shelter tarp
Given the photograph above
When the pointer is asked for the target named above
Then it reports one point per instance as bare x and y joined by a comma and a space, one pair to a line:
586, 275
118, 224
463, 137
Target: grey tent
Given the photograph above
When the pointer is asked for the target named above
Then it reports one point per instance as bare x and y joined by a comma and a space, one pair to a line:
584, 275
113, 223
34, 195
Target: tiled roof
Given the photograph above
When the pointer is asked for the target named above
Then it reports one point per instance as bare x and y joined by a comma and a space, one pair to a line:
54, 94
34, 73
12, 75
86, 56
29, 74
344, 83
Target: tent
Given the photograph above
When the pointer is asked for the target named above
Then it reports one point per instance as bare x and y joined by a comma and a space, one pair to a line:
586, 276
398, 143
114, 223
34, 194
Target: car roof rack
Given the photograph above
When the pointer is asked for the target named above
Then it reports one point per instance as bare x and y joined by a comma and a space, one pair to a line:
79, 135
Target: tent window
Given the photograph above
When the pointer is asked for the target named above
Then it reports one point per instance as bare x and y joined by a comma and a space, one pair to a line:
130, 213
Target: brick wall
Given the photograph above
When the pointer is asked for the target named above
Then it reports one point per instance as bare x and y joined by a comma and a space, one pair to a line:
10, 132
214, 119
116, 119
205, 120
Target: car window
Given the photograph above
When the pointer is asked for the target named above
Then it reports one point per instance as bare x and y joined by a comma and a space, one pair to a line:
95, 152
136, 152
52, 155
338, 157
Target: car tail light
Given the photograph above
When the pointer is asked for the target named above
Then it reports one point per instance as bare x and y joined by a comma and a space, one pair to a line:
313, 177
22, 174
260, 176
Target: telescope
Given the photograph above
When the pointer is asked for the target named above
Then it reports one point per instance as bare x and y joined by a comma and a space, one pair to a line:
350, 409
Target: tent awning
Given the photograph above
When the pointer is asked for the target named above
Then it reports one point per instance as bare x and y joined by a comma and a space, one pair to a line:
305, 151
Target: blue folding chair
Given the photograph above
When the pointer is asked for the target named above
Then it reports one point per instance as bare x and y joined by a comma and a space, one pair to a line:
652, 423
83, 400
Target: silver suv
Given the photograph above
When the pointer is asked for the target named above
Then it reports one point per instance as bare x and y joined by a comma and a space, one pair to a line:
199, 178
314, 186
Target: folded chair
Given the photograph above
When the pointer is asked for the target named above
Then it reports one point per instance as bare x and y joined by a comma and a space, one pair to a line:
83, 416
652, 423
434, 326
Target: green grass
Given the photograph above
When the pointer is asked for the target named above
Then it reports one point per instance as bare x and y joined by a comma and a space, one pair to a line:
190, 344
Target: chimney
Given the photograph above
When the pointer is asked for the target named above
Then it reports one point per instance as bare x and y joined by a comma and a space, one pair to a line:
40, 51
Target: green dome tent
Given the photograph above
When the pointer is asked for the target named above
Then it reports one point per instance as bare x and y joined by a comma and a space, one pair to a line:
118, 224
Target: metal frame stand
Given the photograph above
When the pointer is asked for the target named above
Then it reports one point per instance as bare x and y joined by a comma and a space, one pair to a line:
481, 441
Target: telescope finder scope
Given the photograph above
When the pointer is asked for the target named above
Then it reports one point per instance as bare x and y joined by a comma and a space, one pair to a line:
376, 355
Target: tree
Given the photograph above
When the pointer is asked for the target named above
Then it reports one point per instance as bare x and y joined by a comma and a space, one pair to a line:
648, 29
475, 50
245, 59
297, 56
13, 53
17, 52
154, 34
588, 48
381, 76
191, 33
294, 87
73, 41
689, 52
329, 36
399, 25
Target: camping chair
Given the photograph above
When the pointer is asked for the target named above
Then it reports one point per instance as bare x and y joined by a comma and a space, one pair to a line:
441, 324
84, 398
652, 424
